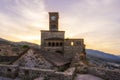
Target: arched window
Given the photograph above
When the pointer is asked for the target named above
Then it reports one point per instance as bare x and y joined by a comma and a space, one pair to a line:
53, 44
72, 43
57, 44
61, 44
49, 43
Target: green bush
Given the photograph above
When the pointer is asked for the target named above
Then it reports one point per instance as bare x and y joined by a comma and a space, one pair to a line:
25, 46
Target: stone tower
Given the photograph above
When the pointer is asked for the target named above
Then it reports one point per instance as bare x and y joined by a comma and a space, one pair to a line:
52, 40
53, 21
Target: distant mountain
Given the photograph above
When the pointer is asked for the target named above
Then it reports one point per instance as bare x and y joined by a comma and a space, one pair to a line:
118, 55
9, 48
26, 43
1, 39
102, 55
4, 41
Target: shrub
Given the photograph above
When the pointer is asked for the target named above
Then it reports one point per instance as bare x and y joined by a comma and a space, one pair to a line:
25, 46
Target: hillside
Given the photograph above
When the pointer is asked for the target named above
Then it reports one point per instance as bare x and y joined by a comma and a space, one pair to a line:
95, 57
103, 60
9, 48
102, 55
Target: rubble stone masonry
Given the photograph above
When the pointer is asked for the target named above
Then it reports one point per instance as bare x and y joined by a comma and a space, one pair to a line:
106, 74
13, 71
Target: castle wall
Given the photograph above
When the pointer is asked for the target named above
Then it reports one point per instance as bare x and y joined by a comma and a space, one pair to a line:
7, 58
54, 49
8, 70
31, 59
51, 34
28, 73
72, 46
106, 74
13, 71
54, 45
32, 73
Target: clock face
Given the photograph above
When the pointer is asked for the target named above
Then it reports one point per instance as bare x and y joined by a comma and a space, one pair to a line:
53, 18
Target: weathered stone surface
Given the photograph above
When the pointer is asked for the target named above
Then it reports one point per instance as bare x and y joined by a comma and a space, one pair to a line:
86, 77
70, 50
77, 61
31, 59
25, 73
106, 74
50, 34
40, 78
8, 70
82, 69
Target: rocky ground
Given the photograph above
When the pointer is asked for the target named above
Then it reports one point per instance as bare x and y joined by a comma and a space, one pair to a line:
81, 77
98, 62
3, 78
11, 49
86, 77
78, 77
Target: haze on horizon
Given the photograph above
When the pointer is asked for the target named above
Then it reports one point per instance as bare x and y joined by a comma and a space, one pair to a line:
97, 21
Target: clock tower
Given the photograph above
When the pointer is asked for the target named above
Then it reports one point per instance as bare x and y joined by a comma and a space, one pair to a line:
53, 21
52, 40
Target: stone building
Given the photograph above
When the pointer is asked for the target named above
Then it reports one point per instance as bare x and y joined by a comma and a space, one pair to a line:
52, 62
53, 40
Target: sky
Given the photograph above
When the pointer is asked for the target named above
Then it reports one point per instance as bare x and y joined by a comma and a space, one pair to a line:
97, 21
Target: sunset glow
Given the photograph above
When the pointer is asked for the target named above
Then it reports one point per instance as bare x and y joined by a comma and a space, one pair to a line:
97, 21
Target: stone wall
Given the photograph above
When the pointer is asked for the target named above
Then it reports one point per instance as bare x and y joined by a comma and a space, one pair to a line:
31, 73
51, 34
106, 74
72, 46
54, 49
54, 45
25, 73
8, 70
7, 58
33, 60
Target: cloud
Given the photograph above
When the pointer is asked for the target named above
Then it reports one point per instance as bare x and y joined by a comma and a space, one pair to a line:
97, 21
21, 20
